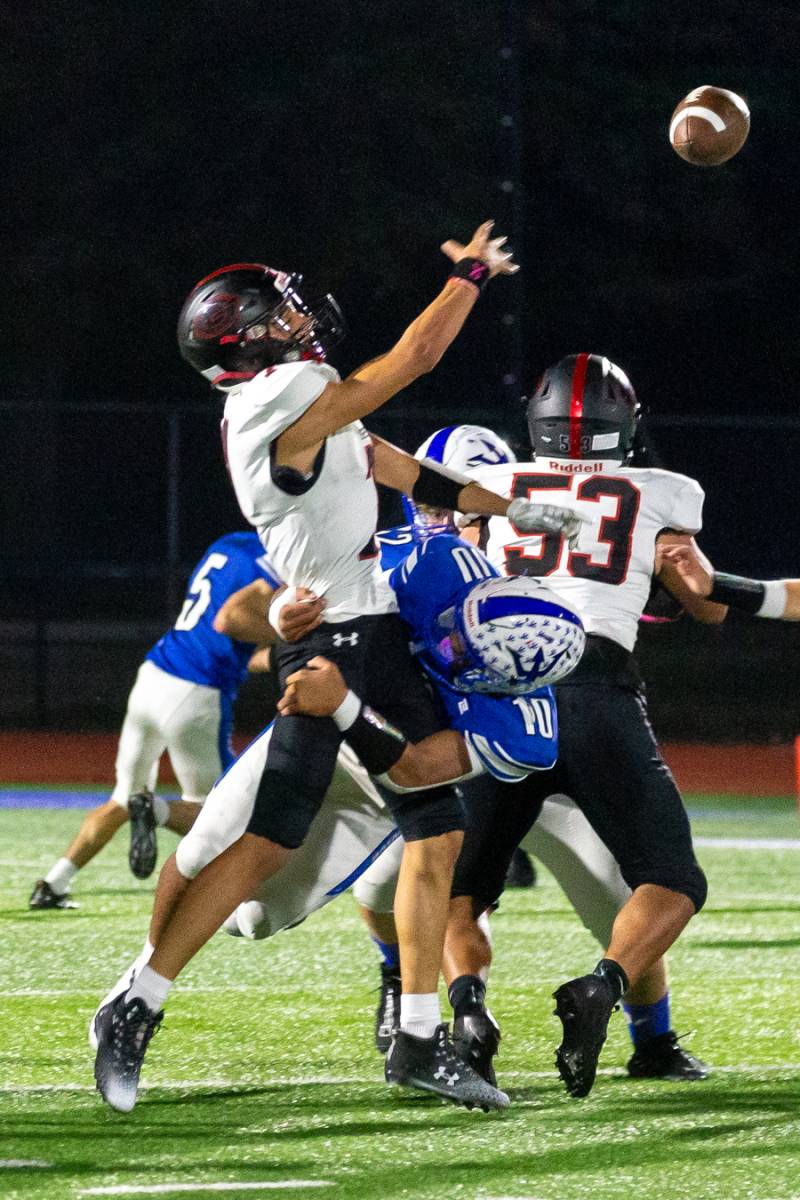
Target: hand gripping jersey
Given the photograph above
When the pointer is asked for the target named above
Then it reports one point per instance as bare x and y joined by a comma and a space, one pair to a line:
509, 735
318, 530
628, 507
193, 649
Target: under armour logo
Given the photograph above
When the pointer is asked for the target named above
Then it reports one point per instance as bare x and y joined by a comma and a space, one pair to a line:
463, 706
340, 638
450, 1079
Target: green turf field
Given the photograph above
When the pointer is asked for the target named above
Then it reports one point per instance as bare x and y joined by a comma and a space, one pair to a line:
264, 1074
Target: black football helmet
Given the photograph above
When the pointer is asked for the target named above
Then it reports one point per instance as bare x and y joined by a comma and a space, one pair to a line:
583, 407
245, 317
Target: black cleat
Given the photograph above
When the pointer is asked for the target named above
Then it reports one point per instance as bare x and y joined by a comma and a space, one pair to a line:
584, 1006
521, 872
663, 1057
144, 848
476, 1038
432, 1065
123, 1031
43, 896
387, 1017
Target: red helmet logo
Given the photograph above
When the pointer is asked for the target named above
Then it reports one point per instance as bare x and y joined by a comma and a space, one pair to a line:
217, 316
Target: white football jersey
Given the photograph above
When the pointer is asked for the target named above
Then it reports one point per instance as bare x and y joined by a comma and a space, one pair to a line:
606, 578
322, 537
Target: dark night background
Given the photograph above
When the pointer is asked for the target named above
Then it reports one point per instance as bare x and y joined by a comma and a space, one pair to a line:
347, 141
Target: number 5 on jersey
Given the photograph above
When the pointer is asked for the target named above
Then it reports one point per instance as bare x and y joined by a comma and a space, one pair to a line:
199, 596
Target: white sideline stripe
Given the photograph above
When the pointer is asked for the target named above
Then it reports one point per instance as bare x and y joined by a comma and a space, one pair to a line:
9, 1163
361, 1080
733, 843
160, 1189
696, 110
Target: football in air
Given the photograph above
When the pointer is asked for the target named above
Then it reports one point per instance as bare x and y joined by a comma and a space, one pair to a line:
709, 126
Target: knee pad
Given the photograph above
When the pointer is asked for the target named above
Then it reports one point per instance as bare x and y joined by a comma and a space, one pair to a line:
688, 879
285, 807
427, 814
197, 849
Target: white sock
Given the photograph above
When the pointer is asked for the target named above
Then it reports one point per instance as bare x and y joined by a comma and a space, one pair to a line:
160, 810
420, 1013
150, 987
61, 875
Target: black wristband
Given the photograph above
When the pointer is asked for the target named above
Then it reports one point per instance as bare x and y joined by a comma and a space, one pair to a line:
472, 270
437, 490
377, 743
737, 592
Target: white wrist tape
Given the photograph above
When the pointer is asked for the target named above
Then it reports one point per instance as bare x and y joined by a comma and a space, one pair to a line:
775, 597
347, 712
289, 596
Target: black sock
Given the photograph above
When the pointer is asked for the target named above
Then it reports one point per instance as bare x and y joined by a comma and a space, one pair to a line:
467, 994
614, 976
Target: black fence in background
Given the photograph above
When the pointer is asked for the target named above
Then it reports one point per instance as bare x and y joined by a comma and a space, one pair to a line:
107, 505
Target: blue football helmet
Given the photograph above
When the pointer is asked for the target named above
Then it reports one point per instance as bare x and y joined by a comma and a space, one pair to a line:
464, 448
509, 636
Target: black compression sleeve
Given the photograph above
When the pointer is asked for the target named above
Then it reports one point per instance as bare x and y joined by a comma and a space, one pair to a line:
744, 594
377, 743
437, 490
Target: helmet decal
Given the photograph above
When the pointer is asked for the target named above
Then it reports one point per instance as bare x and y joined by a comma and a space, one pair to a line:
576, 405
584, 407
215, 318
510, 636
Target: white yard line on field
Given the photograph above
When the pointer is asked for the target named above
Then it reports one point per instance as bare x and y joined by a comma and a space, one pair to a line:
7, 1164
732, 843
160, 1189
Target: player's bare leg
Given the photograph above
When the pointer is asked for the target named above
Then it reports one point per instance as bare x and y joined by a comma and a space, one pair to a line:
97, 829
421, 1054
421, 910
230, 878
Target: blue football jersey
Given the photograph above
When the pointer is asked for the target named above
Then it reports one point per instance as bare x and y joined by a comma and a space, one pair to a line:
510, 735
394, 545
192, 649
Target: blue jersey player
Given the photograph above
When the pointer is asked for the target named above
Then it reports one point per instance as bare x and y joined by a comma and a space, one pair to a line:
181, 702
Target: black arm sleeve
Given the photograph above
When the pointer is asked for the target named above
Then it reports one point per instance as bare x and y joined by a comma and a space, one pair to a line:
437, 489
744, 594
377, 743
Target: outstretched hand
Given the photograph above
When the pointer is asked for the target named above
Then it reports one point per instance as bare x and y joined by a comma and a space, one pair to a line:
486, 248
316, 690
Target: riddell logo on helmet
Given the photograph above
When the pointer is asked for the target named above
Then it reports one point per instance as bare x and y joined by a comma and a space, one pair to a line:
575, 468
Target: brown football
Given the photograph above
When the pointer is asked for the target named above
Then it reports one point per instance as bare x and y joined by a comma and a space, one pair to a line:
709, 126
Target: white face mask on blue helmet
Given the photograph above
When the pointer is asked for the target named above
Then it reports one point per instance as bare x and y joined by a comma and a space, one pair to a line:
509, 636
464, 448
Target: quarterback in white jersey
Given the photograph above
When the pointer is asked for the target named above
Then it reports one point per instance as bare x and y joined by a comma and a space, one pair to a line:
304, 476
318, 529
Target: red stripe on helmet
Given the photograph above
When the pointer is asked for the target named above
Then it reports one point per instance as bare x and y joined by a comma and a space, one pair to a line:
576, 405
234, 267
